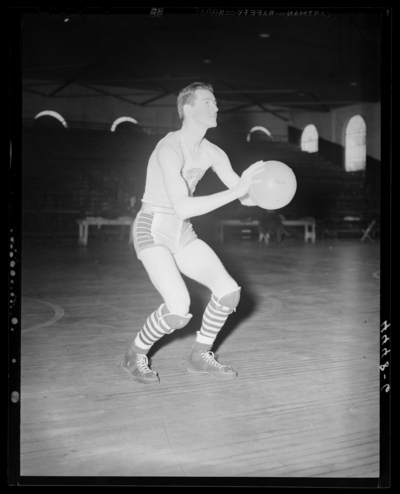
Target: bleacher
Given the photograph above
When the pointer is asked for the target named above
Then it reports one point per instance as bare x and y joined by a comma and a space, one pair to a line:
338, 200
73, 173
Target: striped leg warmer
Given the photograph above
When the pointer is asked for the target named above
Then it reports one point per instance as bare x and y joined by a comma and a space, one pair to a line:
215, 315
158, 324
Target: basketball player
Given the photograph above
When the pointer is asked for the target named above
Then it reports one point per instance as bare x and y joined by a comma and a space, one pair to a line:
167, 246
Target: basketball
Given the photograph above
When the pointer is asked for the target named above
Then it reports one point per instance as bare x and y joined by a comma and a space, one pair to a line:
277, 188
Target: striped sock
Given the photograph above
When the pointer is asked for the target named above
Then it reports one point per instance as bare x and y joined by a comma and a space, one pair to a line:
214, 318
154, 328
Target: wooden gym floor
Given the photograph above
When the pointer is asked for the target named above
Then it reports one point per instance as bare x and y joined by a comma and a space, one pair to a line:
304, 340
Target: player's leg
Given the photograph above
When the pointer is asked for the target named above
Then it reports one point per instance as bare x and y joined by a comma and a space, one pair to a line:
171, 315
261, 233
198, 261
279, 233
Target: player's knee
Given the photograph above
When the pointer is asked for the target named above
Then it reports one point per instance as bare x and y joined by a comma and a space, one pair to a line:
230, 300
170, 321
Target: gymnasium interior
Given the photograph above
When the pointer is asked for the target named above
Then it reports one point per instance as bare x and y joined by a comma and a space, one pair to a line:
98, 91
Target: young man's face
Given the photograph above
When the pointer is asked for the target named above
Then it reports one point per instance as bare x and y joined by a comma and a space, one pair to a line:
204, 109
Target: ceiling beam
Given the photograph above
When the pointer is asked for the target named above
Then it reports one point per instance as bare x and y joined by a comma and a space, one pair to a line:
317, 103
257, 91
324, 107
253, 100
33, 91
236, 108
71, 80
163, 95
106, 93
153, 79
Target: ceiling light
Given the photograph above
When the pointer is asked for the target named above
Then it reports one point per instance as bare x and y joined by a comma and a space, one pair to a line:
353, 84
264, 35
207, 60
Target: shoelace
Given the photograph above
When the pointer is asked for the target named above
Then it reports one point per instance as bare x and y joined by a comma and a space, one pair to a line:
209, 358
142, 363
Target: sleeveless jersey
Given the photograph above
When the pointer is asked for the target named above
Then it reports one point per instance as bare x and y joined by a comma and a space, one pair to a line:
192, 171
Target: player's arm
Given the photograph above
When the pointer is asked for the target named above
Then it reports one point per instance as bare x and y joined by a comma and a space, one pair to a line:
171, 163
223, 168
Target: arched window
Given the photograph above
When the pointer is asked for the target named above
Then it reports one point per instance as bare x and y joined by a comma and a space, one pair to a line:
260, 129
309, 139
53, 114
356, 144
121, 120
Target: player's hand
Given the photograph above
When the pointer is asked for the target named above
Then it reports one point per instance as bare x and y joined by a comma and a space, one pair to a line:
247, 201
249, 177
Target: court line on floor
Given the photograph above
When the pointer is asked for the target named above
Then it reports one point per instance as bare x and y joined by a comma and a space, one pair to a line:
58, 314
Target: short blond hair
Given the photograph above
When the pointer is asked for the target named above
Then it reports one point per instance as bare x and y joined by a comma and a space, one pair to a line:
187, 96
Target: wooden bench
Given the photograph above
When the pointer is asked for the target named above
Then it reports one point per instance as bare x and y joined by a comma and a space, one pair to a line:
308, 224
99, 222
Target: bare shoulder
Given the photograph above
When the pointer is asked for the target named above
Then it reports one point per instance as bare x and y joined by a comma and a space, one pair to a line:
169, 149
217, 154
